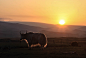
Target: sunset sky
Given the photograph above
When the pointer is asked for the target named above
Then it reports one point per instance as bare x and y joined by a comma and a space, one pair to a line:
46, 11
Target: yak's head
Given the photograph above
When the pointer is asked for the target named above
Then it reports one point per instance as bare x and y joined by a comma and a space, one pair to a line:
23, 36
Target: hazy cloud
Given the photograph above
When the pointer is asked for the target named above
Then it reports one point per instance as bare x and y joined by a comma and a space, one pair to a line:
20, 16
5, 19
28, 16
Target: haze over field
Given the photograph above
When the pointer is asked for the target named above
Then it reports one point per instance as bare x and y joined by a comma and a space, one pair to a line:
46, 11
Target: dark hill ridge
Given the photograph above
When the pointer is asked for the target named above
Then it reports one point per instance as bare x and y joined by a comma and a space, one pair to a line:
37, 24
55, 28
80, 31
13, 29
58, 34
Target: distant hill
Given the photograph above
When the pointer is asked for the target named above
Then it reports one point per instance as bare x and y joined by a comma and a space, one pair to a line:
51, 34
53, 27
37, 24
12, 29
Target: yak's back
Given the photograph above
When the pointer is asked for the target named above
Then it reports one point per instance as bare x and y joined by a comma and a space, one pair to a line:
35, 38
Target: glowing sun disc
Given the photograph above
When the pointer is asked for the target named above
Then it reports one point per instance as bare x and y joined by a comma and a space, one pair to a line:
62, 22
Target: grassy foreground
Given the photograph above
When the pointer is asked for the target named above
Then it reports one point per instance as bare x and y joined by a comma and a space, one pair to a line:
57, 47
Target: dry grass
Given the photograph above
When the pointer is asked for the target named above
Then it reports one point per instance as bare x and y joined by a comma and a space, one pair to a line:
57, 47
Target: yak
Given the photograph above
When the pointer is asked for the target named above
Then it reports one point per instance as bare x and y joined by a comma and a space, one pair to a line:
34, 38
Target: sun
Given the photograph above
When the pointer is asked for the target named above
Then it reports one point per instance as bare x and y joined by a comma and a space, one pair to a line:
61, 22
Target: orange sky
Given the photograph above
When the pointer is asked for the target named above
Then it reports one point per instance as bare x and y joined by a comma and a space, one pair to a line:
46, 11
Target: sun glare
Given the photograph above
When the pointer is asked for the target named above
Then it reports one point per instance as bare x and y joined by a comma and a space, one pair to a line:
61, 22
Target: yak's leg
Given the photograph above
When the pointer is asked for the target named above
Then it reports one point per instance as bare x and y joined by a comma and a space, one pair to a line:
42, 46
20, 44
29, 46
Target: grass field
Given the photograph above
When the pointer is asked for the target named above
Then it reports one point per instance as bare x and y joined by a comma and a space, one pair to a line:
57, 47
